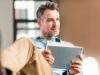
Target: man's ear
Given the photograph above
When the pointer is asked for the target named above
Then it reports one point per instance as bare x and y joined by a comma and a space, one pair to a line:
39, 22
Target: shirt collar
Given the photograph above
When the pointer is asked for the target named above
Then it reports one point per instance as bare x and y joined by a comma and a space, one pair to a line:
54, 39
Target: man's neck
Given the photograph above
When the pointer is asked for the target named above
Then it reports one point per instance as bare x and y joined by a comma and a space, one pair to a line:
48, 38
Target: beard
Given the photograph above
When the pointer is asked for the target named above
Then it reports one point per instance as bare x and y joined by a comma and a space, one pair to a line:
51, 34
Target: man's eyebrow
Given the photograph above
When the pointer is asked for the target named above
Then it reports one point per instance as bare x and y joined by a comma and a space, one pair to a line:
50, 19
58, 18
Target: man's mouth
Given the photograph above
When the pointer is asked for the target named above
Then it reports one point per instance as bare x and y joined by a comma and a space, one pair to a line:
54, 29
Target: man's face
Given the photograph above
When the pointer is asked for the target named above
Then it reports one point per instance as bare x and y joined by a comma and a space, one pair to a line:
50, 23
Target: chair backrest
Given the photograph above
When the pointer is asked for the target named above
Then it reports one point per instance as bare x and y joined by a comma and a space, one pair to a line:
90, 66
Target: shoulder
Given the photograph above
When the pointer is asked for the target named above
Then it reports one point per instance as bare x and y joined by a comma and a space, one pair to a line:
64, 43
34, 39
68, 44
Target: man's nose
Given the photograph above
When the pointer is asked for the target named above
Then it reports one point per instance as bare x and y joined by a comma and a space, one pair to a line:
55, 23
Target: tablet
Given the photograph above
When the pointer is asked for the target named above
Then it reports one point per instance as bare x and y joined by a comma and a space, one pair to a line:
64, 55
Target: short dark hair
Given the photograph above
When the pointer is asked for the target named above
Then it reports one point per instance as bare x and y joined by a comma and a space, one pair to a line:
47, 5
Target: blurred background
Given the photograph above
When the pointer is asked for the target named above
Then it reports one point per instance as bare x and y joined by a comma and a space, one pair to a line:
79, 24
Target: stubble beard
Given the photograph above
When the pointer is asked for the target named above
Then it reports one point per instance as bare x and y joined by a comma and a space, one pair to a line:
51, 35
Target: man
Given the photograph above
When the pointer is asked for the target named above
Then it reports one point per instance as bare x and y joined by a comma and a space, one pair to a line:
48, 19
23, 57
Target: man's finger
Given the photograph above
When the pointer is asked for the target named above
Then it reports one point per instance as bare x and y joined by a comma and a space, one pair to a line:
50, 60
81, 57
77, 62
46, 51
78, 69
76, 66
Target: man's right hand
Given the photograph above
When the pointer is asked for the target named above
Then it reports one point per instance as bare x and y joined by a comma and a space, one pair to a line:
48, 56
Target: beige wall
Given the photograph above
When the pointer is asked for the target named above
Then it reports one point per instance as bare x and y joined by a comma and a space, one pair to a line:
80, 24
6, 23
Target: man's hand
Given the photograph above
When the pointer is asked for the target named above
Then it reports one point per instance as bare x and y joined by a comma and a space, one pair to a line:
76, 66
48, 56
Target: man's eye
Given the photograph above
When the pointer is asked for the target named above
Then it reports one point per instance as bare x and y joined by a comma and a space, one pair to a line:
57, 19
49, 20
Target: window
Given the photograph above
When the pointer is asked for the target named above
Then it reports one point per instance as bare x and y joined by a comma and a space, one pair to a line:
25, 23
